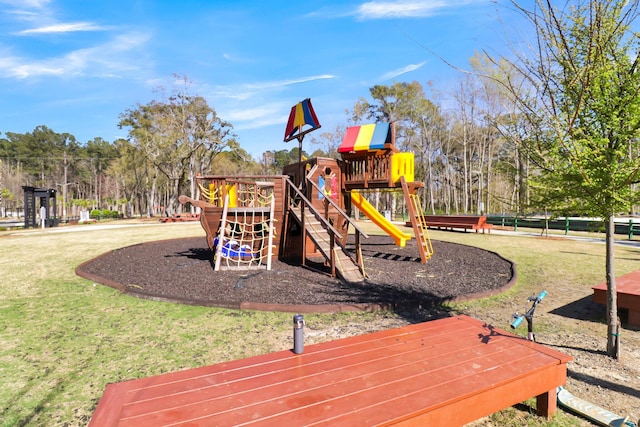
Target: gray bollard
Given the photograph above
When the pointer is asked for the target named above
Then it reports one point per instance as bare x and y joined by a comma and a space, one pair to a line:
298, 334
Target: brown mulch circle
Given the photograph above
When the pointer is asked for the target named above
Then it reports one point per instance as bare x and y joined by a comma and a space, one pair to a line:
181, 270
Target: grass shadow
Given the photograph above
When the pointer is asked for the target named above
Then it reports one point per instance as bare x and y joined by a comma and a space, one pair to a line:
599, 382
582, 309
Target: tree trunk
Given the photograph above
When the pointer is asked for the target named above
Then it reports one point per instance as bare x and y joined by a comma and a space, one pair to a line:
192, 183
430, 185
466, 186
152, 194
612, 302
520, 183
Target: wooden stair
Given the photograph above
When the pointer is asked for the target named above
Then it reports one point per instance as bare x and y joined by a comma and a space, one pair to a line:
345, 266
420, 228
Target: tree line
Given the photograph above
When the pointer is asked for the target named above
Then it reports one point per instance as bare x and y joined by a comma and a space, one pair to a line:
169, 141
172, 139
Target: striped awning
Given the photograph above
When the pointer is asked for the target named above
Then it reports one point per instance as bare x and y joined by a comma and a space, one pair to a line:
369, 137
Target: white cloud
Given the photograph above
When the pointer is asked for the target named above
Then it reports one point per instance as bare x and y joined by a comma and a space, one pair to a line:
24, 15
236, 59
63, 28
284, 83
32, 11
247, 105
29, 4
276, 119
122, 54
400, 71
399, 9
246, 91
13, 67
405, 8
42, 18
261, 113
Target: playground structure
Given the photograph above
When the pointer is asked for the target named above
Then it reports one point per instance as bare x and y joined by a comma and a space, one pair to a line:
304, 214
371, 161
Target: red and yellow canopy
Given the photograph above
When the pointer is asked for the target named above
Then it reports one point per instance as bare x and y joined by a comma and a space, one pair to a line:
369, 137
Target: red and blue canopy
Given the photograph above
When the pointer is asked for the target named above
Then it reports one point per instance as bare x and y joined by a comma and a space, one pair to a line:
301, 115
369, 137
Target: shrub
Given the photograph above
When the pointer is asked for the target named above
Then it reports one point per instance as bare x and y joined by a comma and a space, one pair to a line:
104, 214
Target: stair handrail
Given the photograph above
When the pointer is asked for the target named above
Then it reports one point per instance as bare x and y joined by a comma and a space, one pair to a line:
339, 210
325, 224
358, 231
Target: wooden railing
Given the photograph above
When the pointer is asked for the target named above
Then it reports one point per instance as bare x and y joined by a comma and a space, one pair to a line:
328, 201
370, 170
249, 191
295, 195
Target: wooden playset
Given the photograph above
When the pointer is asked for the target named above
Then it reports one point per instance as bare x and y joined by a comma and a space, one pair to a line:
304, 214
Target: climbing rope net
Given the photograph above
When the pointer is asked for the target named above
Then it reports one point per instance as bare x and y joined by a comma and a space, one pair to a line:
245, 238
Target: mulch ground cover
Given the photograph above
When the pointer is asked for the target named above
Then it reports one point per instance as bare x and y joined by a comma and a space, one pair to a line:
181, 270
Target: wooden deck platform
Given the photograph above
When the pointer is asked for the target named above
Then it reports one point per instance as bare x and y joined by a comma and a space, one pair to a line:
444, 372
628, 290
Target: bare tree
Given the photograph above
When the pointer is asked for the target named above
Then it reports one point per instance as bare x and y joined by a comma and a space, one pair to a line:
581, 98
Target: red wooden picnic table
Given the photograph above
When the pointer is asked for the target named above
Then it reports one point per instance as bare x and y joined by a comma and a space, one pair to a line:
628, 294
444, 372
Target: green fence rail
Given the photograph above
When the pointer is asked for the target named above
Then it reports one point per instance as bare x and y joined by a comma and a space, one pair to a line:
630, 228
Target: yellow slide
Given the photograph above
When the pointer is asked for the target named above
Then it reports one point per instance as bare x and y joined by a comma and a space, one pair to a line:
367, 208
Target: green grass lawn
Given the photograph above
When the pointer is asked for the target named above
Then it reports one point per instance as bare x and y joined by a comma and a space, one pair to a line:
64, 338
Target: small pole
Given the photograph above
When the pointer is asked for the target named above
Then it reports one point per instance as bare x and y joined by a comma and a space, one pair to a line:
617, 349
530, 334
43, 216
298, 334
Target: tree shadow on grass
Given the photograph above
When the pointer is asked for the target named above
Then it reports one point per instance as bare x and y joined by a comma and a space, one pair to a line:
598, 382
587, 310
582, 309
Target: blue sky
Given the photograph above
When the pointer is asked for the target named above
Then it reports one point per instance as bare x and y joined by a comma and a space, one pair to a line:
75, 65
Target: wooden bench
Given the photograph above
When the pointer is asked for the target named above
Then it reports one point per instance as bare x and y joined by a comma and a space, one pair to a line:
444, 372
466, 222
628, 293
180, 217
